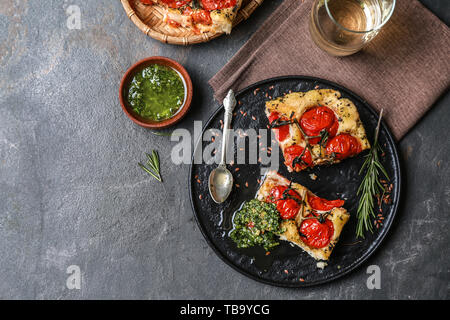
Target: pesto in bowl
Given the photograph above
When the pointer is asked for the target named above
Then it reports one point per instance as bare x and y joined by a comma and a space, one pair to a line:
156, 93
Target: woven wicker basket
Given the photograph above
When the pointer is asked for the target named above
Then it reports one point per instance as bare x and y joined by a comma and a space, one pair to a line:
149, 20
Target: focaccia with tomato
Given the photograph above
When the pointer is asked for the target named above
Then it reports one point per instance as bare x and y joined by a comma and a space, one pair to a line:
316, 127
200, 16
312, 223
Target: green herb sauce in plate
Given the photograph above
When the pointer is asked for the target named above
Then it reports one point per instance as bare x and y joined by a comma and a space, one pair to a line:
256, 223
156, 93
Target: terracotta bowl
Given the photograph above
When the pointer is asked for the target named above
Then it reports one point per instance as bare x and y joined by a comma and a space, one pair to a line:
146, 123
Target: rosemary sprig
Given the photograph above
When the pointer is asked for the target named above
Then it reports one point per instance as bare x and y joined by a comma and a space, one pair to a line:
324, 135
196, 4
370, 186
153, 164
279, 123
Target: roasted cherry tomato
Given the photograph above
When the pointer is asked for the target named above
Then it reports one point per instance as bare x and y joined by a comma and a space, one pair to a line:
293, 152
317, 119
322, 204
187, 11
280, 132
316, 234
202, 17
288, 207
175, 3
343, 146
217, 4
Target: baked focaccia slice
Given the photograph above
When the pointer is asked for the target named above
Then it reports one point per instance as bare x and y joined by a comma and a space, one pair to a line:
312, 223
200, 16
316, 127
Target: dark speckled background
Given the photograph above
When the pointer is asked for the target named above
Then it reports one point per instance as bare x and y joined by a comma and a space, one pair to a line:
72, 194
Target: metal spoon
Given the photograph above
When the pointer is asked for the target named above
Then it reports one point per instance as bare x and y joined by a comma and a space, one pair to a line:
221, 179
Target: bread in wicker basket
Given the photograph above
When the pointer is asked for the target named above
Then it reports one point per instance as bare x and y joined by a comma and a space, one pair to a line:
149, 19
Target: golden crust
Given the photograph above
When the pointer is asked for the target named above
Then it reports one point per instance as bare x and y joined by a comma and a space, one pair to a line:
300, 102
338, 216
223, 19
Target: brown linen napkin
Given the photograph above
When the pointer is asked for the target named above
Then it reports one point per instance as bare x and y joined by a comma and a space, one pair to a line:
404, 69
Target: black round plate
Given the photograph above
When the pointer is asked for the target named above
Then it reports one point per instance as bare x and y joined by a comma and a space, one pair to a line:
286, 265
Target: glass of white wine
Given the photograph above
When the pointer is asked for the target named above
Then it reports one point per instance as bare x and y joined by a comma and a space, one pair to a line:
343, 27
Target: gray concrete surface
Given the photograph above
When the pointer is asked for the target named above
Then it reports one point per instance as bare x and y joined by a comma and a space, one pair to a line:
72, 194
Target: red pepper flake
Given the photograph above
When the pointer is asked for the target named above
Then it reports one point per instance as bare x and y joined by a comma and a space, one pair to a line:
245, 113
242, 112
213, 139
285, 271
271, 88
256, 91
196, 176
316, 87
198, 181
257, 180
301, 280
270, 97
200, 197
239, 102
267, 253
253, 118
267, 95
237, 169
237, 186
246, 184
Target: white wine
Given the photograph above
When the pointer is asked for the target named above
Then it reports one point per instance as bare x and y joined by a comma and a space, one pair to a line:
342, 27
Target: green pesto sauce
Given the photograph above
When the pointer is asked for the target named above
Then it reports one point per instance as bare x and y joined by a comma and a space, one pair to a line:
265, 220
156, 93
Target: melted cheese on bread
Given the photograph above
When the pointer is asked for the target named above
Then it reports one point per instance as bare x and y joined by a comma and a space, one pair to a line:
338, 216
297, 103
222, 20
